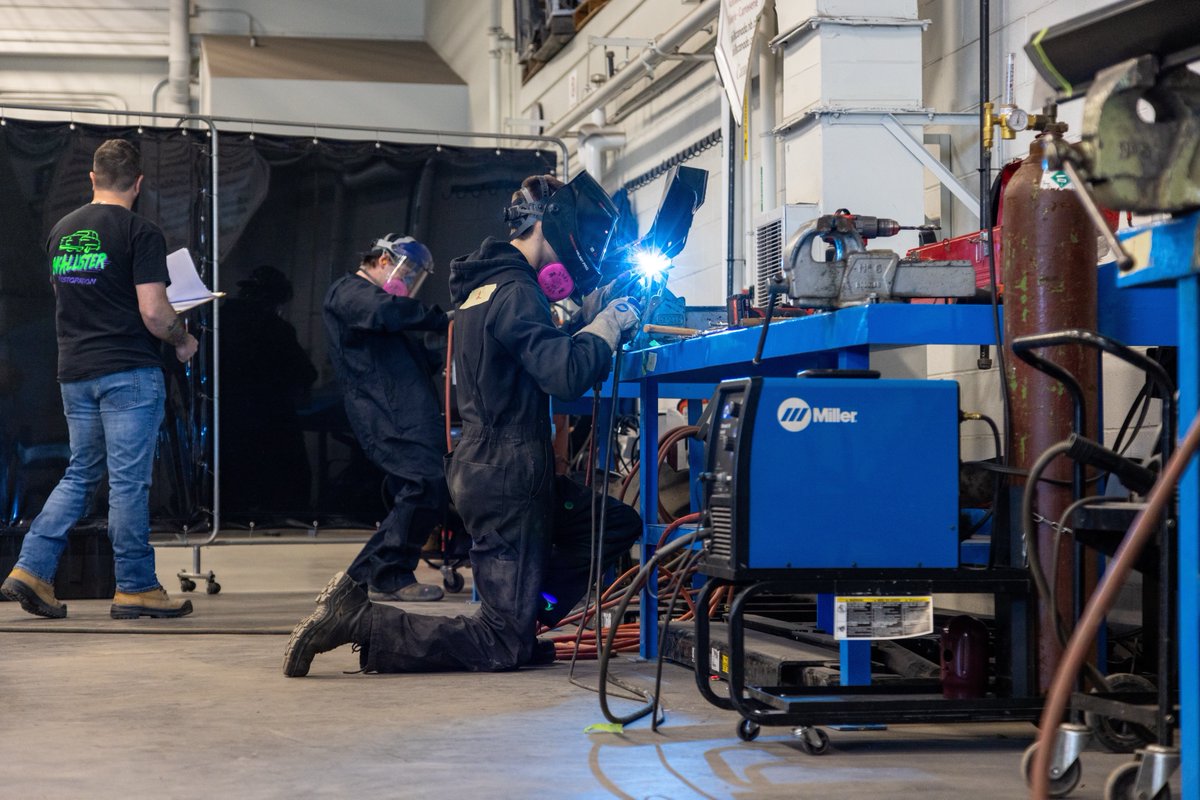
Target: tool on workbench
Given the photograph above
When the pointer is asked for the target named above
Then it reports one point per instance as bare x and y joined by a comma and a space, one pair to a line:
856, 275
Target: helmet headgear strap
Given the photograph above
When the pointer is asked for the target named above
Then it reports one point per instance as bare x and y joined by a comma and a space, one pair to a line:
522, 216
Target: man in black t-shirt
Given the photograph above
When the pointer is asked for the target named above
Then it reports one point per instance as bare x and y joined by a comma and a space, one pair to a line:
109, 272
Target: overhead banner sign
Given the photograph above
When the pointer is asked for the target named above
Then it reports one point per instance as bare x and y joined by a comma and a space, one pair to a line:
735, 47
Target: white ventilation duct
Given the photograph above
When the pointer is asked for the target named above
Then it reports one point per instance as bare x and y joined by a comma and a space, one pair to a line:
595, 139
179, 56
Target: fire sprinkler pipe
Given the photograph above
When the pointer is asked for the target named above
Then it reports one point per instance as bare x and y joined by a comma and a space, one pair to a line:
651, 57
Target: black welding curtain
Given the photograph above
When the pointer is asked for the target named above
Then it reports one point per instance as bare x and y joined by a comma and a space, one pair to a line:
295, 214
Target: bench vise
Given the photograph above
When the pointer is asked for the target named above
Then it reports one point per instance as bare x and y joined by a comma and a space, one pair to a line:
858, 276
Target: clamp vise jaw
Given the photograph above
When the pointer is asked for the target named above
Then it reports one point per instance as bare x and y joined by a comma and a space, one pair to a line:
1139, 164
858, 276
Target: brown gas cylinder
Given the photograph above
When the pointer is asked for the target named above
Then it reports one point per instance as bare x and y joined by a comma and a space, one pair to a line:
1048, 261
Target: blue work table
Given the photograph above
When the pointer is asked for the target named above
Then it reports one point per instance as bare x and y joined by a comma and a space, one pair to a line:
842, 339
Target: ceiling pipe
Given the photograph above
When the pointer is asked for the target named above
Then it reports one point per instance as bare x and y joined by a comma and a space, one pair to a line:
658, 52
179, 56
595, 139
768, 78
495, 34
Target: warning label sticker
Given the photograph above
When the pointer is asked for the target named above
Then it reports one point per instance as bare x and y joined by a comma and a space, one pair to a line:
1055, 179
882, 617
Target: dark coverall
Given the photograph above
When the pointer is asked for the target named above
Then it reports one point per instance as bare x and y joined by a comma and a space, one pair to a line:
509, 358
387, 383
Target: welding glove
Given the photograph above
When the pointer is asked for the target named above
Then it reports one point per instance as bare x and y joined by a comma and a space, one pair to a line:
617, 319
598, 300
595, 302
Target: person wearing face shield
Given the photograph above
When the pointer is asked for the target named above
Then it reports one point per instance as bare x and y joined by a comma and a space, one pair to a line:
509, 358
376, 329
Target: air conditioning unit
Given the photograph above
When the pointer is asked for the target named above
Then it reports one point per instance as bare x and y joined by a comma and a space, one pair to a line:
772, 232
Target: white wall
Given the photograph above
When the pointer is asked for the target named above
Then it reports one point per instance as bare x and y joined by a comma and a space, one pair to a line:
111, 53
387, 105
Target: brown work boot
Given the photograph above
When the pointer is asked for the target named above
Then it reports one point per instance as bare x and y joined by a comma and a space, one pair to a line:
154, 603
34, 594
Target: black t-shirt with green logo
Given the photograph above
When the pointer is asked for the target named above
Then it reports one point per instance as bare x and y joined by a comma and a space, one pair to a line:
98, 253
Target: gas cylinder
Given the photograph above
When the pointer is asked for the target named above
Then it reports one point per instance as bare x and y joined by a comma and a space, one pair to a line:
964, 658
1048, 259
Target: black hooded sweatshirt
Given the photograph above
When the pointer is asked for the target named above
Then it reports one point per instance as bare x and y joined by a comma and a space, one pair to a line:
508, 354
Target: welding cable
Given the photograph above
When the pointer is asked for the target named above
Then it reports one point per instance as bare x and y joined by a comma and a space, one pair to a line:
1140, 532
1036, 571
1140, 405
762, 336
1063, 520
684, 574
446, 382
998, 484
665, 443
606, 651
596, 547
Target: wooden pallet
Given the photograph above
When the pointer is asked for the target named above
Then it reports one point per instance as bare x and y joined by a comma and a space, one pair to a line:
586, 10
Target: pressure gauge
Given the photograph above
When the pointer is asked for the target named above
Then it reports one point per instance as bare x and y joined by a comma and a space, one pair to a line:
1018, 119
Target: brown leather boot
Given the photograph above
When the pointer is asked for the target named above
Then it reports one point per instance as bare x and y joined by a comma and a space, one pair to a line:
34, 594
154, 603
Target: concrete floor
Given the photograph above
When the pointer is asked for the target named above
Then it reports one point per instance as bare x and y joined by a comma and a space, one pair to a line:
90, 709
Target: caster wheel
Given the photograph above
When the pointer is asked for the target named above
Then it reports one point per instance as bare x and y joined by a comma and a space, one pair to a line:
453, 581
748, 730
187, 585
813, 741
1114, 735
1122, 783
1059, 786
213, 587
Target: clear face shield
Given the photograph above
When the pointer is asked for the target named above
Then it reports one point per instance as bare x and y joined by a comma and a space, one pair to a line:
413, 263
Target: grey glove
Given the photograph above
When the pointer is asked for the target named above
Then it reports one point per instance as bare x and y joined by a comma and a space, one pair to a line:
617, 318
595, 302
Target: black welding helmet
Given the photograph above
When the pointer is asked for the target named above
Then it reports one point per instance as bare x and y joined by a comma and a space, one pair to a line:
577, 221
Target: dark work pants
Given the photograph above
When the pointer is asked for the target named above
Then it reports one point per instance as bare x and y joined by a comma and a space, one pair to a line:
501, 481
386, 562
567, 574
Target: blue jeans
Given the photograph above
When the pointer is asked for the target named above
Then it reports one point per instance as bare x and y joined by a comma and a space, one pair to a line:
115, 419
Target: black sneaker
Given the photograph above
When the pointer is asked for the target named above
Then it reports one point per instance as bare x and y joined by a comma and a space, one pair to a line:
340, 618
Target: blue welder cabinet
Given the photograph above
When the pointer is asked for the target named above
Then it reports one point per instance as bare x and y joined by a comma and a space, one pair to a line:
806, 473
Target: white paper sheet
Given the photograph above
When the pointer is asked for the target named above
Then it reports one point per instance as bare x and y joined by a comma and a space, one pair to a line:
186, 289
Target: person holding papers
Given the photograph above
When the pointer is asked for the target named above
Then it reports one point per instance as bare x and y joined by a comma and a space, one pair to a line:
109, 272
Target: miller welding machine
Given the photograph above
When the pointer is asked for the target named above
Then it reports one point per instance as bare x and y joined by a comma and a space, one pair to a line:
831, 473
846, 487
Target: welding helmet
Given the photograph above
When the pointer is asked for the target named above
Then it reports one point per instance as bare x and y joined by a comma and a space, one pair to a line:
412, 262
577, 221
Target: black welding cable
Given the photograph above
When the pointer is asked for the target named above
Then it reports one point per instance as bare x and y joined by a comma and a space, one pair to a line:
680, 577
1140, 406
1063, 521
1029, 532
604, 651
762, 335
596, 548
